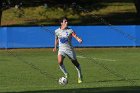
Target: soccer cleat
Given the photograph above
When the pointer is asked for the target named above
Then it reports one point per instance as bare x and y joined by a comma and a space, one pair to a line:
66, 75
79, 80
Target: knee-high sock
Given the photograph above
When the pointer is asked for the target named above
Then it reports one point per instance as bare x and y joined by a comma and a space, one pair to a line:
79, 71
63, 69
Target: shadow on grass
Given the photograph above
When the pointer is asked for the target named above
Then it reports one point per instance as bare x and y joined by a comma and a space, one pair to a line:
127, 18
135, 89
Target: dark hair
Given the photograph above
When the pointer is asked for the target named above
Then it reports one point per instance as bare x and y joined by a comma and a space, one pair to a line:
63, 18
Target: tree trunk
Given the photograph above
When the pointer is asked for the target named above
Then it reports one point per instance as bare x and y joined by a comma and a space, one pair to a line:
137, 4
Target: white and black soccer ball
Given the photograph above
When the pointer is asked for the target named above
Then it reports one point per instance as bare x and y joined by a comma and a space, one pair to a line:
63, 81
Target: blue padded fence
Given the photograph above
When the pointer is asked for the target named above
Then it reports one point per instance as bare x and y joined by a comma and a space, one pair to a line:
93, 36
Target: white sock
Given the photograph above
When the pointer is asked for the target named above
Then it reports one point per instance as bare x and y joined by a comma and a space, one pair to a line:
79, 71
63, 69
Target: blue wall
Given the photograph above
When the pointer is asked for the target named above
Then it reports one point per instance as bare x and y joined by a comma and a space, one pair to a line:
137, 35
93, 36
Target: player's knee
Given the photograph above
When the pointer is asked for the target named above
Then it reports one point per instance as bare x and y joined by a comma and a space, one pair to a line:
60, 60
60, 63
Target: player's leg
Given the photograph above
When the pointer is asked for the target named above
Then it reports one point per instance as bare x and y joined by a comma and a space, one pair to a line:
78, 68
71, 54
61, 65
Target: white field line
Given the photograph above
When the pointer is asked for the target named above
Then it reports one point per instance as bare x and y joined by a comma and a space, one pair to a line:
95, 58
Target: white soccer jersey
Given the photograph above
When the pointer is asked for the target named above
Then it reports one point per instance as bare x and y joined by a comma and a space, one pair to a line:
64, 37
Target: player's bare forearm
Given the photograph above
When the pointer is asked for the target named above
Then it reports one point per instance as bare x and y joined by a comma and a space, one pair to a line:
55, 45
77, 38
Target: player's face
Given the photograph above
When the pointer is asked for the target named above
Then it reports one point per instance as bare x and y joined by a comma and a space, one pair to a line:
64, 23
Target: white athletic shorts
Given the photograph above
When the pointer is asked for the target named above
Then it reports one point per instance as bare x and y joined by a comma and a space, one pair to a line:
68, 52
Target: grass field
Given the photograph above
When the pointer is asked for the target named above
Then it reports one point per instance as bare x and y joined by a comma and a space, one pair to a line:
105, 70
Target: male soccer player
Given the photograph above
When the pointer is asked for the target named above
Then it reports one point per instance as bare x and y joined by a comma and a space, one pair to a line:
63, 36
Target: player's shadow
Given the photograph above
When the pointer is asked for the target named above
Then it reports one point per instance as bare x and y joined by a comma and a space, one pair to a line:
133, 89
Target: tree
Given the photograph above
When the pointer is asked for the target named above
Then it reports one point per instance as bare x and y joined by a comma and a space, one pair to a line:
0, 11
137, 4
3, 5
6, 4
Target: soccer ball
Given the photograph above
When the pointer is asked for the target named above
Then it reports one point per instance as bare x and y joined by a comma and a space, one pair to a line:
63, 81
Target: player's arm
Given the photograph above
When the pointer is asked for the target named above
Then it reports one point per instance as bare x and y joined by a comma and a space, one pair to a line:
55, 44
76, 37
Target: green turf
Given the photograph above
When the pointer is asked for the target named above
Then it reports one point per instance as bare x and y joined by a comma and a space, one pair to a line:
105, 70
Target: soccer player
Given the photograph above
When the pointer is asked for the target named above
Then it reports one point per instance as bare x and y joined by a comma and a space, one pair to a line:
63, 36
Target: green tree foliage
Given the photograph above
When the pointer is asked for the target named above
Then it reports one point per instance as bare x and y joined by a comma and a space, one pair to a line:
0, 11
137, 4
